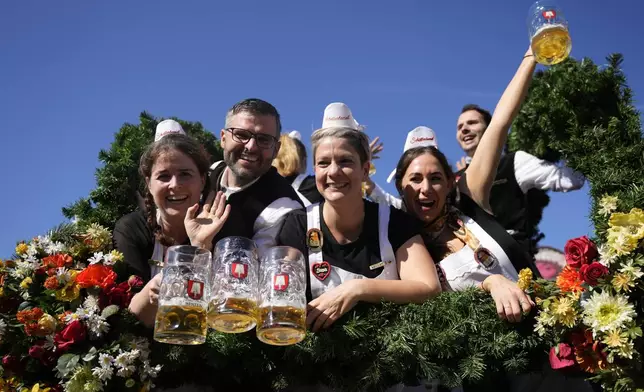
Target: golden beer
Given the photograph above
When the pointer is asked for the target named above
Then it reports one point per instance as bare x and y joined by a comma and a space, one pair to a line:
551, 44
236, 315
180, 325
281, 325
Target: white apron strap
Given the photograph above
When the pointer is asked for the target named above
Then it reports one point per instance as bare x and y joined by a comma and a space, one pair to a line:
296, 186
387, 255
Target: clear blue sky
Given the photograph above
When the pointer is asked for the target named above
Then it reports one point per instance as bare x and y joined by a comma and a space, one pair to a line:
72, 72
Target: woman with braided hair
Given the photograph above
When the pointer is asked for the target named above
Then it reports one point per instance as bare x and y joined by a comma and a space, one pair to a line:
175, 171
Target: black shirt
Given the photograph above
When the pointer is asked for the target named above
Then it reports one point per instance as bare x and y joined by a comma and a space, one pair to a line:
356, 256
307, 188
132, 237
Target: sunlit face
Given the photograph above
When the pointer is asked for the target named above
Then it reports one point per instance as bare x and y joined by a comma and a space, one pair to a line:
175, 183
469, 130
249, 160
338, 171
425, 187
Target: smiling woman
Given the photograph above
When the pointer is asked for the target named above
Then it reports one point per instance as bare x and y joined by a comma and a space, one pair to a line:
174, 169
356, 250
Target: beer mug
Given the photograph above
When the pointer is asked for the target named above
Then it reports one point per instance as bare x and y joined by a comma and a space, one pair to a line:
548, 30
183, 296
233, 305
282, 300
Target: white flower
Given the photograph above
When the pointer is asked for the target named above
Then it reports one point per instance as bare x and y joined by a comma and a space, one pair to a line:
607, 205
125, 371
122, 360
97, 258
54, 247
603, 312
72, 316
63, 275
149, 371
91, 304
606, 255
103, 373
142, 345
108, 259
632, 270
24, 268
3, 327
49, 343
97, 326
105, 360
32, 252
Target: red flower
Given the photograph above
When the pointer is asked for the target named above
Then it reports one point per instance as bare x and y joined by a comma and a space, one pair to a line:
561, 356
37, 350
135, 282
96, 275
590, 355
11, 363
580, 251
592, 272
119, 295
73, 333
29, 318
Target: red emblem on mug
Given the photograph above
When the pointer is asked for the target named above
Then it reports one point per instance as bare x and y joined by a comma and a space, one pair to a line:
195, 289
280, 282
549, 14
239, 270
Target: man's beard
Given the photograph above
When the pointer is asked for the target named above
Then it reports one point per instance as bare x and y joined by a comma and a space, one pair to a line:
243, 176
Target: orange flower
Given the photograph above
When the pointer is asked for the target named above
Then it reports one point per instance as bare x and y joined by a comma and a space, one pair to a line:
51, 283
569, 281
96, 275
57, 261
29, 318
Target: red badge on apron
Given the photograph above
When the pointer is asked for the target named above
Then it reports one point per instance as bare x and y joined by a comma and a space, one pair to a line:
280, 282
239, 270
321, 270
195, 289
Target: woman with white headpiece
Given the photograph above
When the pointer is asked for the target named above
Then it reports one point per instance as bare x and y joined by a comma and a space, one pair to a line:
356, 250
290, 163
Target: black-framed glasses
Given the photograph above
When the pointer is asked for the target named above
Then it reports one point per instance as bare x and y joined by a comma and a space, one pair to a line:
243, 136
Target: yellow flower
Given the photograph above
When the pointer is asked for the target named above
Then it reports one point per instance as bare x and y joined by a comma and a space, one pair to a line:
70, 292
116, 256
25, 283
97, 237
621, 241
47, 324
37, 388
607, 204
21, 248
615, 338
623, 282
1, 291
564, 311
633, 222
525, 279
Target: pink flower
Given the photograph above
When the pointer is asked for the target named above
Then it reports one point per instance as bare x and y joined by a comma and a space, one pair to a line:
561, 356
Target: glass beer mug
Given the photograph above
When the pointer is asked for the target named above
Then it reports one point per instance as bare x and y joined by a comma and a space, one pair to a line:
548, 30
183, 296
233, 304
282, 300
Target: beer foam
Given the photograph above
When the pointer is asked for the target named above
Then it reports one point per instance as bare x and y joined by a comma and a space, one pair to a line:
548, 26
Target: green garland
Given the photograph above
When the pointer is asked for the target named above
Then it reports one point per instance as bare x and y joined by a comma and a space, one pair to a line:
456, 338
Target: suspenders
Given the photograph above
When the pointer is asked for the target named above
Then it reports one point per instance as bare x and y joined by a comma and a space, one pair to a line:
324, 276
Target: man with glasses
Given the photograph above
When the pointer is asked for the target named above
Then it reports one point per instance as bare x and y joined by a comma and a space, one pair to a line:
258, 195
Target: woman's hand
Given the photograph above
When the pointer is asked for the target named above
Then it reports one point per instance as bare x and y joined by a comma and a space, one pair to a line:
330, 306
152, 288
202, 228
510, 300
